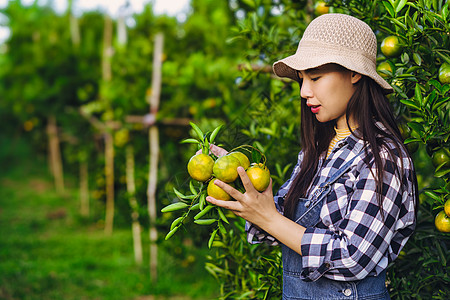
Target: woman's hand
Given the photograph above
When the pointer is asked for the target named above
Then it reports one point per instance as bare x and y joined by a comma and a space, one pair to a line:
216, 150
255, 207
259, 209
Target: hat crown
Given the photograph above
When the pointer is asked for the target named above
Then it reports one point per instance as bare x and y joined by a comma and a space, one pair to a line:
342, 30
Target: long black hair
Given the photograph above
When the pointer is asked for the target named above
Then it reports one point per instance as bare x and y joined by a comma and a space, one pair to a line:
367, 106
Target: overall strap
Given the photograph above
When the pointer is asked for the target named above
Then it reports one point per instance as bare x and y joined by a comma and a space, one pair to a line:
335, 176
313, 204
339, 172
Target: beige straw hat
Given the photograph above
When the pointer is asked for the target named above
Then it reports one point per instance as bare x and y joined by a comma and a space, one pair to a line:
335, 38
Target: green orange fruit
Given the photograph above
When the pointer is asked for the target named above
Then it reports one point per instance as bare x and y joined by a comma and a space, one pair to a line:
243, 159
447, 208
200, 167
391, 47
225, 168
444, 73
440, 157
442, 222
321, 8
259, 175
384, 66
217, 192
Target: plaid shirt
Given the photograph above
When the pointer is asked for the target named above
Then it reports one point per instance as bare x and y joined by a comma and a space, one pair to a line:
353, 240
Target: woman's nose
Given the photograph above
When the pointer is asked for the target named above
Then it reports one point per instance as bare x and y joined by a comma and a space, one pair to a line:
305, 90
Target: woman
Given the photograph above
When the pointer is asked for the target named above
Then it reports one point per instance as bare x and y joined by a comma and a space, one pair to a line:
349, 207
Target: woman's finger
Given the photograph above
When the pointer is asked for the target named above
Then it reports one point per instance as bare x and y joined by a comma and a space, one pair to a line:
248, 185
228, 189
231, 205
217, 151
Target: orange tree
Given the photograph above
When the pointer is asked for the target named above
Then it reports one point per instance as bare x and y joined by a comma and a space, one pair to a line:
416, 52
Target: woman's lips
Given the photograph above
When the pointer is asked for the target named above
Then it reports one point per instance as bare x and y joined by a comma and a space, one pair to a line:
315, 109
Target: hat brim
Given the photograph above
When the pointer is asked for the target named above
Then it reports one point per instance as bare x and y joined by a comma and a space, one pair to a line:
308, 57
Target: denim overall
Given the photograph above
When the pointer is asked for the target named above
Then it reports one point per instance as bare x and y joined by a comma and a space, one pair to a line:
307, 214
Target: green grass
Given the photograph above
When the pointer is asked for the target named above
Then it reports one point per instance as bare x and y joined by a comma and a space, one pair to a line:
47, 251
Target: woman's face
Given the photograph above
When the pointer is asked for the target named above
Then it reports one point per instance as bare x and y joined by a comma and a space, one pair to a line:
327, 90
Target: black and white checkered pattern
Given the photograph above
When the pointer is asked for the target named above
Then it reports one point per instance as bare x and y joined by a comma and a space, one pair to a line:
353, 239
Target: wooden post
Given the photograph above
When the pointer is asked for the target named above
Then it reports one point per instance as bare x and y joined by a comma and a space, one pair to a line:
153, 101
84, 189
131, 189
109, 144
55, 154
74, 26
109, 178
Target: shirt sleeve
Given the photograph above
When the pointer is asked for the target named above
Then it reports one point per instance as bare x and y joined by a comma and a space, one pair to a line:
360, 242
256, 235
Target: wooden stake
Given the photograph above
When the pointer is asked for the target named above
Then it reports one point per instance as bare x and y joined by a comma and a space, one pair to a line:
154, 153
151, 192
109, 174
107, 49
84, 189
131, 189
109, 144
55, 154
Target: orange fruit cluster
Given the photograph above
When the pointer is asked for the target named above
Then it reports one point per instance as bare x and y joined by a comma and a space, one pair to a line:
204, 168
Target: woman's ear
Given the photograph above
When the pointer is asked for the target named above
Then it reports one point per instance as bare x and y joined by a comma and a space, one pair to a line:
355, 77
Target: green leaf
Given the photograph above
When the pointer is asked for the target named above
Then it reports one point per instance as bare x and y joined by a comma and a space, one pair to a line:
218, 244
256, 156
445, 11
192, 188
400, 92
400, 5
410, 104
202, 201
389, 8
213, 135
250, 3
205, 147
176, 222
417, 59
417, 127
198, 131
189, 141
418, 94
405, 58
412, 140
442, 173
196, 206
222, 215
203, 212
205, 221
266, 130
211, 239
432, 195
179, 195
436, 84
222, 229
399, 24
174, 207
439, 103
172, 232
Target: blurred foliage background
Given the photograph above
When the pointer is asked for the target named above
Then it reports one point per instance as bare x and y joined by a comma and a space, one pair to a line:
216, 70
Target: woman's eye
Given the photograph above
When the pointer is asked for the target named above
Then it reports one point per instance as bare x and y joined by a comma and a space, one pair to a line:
315, 78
